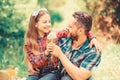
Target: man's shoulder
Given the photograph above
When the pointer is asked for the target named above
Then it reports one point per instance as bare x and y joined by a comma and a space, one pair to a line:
94, 53
64, 42
91, 51
92, 58
64, 39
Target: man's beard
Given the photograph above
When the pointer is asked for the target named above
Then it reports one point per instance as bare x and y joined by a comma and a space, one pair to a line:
74, 37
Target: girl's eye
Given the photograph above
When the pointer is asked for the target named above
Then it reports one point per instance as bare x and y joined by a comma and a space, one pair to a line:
43, 21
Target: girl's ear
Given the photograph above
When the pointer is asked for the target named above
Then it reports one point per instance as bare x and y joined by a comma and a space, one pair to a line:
36, 24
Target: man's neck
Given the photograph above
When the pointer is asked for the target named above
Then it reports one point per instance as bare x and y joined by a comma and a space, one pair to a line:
79, 42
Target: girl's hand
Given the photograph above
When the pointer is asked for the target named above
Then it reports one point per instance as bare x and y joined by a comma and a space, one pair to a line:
95, 42
32, 71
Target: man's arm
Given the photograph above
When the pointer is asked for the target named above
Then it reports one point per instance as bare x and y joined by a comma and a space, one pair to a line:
75, 72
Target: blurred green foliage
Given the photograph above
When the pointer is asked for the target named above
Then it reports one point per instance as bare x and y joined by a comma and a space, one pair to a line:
106, 14
11, 34
109, 8
55, 16
112, 8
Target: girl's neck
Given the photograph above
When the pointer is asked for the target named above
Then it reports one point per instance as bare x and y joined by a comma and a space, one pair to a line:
41, 34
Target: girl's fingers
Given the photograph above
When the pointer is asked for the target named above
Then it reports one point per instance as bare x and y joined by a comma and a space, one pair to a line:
36, 69
91, 44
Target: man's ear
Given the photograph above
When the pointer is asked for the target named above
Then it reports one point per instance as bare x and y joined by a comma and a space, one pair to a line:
81, 30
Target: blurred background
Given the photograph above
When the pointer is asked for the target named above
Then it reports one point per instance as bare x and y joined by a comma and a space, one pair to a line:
14, 18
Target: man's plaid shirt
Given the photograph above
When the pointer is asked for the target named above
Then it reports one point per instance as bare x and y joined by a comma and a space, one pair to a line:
83, 56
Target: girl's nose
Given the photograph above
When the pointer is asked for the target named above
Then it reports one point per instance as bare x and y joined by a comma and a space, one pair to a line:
48, 24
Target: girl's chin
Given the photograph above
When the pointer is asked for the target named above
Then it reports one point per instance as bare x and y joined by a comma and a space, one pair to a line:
47, 31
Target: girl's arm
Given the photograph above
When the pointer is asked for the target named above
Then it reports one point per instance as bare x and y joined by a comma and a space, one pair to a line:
36, 60
94, 41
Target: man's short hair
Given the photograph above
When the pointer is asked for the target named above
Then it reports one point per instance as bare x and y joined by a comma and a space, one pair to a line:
85, 19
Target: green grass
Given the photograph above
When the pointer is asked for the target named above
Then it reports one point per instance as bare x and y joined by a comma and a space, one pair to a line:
109, 68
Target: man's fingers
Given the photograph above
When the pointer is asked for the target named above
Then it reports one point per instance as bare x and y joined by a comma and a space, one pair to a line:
50, 48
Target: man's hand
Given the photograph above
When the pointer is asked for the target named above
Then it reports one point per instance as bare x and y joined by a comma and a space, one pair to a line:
54, 50
96, 44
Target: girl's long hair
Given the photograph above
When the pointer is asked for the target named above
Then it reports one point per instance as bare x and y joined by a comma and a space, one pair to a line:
31, 34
